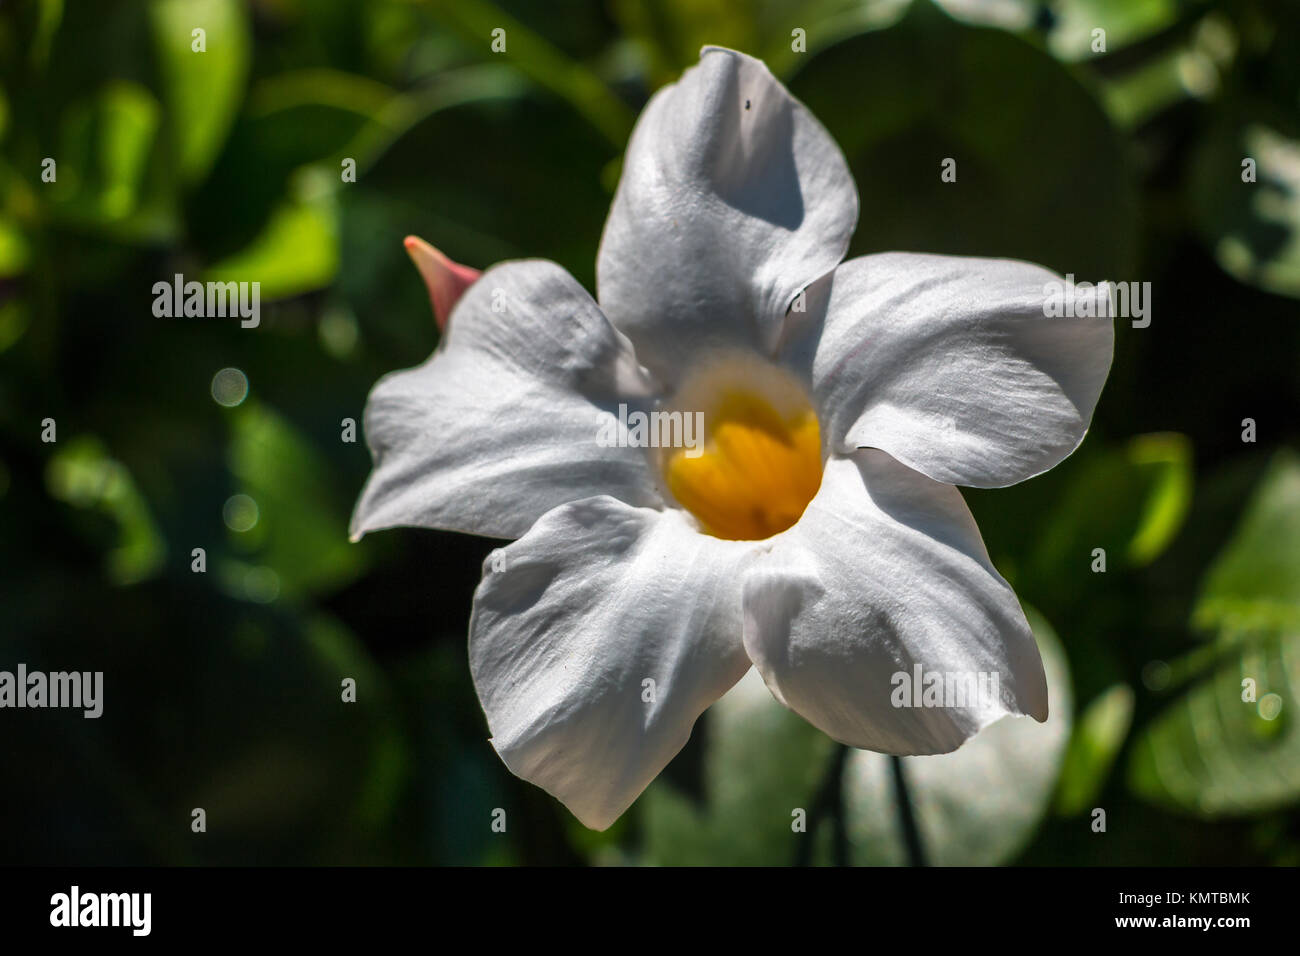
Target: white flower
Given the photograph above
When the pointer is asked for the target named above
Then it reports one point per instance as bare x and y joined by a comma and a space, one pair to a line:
819, 537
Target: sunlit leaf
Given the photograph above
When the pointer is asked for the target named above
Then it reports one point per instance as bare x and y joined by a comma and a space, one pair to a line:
202, 89
107, 140
1254, 583
1230, 743
15, 317
49, 18
1213, 753
1098, 735
1123, 22
14, 250
81, 473
1129, 502
296, 252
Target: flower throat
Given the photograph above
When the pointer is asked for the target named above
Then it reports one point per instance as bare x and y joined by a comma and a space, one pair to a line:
758, 470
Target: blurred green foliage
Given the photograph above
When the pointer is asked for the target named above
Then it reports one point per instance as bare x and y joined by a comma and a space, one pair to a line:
1122, 163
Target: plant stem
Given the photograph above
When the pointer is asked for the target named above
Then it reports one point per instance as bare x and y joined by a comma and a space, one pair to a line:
827, 805
906, 815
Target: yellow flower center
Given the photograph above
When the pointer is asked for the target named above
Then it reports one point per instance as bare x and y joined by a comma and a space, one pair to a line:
759, 466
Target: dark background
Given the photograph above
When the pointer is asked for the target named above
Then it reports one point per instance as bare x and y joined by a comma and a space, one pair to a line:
222, 689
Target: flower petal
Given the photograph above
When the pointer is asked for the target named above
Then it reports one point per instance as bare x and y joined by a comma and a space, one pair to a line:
950, 365
596, 600
503, 422
733, 198
886, 572
977, 806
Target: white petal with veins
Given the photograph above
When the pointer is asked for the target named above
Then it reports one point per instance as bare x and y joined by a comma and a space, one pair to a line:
501, 424
733, 198
949, 364
596, 600
886, 571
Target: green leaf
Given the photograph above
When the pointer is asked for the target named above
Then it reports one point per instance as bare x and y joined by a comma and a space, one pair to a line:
202, 89
1253, 228
1125, 21
1028, 140
1095, 744
1230, 744
1129, 501
1164, 464
1213, 754
107, 140
669, 34
1152, 87
15, 252
300, 530
297, 251
761, 763
544, 64
15, 318
47, 25
1254, 583
673, 31
82, 474
977, 806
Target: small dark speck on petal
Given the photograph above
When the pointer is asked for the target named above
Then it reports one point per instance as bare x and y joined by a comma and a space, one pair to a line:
746, 104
